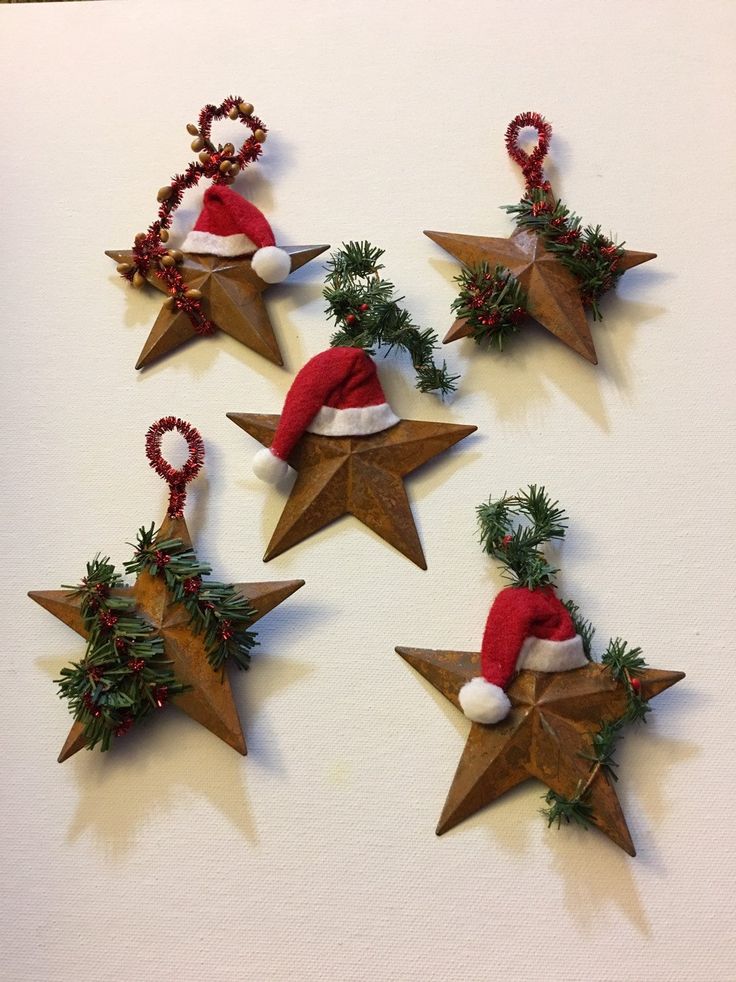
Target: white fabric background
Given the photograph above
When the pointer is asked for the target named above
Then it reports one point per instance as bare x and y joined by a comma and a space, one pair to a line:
315, 857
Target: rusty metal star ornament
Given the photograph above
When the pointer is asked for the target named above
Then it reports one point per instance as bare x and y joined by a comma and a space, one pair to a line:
553, 294
355, 475
208, 699
232, 298
546, 736
553, 297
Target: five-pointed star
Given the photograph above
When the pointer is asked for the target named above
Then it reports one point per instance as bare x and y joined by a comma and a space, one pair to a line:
546, 735
232, 297
358, 475
553, 295
209, 698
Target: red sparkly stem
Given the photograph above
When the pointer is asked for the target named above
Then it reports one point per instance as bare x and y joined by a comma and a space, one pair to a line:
177, 479
221, 167
530, 163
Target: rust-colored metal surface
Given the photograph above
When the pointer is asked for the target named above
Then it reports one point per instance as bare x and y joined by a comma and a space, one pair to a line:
553, 296
358, 475
547, 733
232, 297
209, 700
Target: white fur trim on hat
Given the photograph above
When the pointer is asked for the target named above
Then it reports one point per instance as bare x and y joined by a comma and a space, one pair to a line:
359, 421
542, 655
268, 467
272, 264
218, 245
483, 702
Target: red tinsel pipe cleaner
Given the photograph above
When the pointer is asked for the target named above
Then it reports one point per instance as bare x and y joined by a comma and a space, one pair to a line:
177, 479
530, 163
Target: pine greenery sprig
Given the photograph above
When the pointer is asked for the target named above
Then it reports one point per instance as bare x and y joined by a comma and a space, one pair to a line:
592, 258
123, 676
561, 809
513, 529
369, 316
216, 610
492, 302
582, 627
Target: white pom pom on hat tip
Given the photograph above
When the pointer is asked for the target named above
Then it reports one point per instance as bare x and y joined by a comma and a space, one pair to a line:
268, 467
483, 702
272, 264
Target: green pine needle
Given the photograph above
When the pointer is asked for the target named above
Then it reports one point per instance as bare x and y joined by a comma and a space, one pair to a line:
368, 315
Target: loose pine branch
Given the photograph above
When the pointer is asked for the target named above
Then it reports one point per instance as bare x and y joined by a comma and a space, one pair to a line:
492, 302
582, 627
369, 316
513, 529
217, 610
123, 676
592, 258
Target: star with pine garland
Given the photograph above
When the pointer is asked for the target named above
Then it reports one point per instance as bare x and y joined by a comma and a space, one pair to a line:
354, 475
547, 735
231, 296
208, 697
551, 265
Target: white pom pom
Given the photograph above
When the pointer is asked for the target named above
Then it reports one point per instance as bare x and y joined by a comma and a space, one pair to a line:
268, 467
272, 264
483, 702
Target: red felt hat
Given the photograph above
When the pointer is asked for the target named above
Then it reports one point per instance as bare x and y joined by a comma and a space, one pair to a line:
529, 629
228, 225
337, 393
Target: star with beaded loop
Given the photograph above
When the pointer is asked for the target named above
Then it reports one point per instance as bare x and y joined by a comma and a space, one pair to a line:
208, 699
356, 475
546, 735
232, 297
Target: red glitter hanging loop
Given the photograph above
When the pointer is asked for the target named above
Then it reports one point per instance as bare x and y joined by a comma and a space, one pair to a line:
177, 479
530, 163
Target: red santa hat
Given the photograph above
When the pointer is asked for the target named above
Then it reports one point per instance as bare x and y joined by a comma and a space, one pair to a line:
228, 225
337, 393
529, 629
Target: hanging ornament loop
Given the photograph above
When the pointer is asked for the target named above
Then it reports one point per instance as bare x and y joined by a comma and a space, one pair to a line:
530, 163
176, 478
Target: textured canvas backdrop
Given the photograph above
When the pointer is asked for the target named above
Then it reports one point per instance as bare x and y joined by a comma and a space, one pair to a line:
315, 857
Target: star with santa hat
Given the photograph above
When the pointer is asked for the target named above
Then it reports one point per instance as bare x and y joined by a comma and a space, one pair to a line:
350, 450
229, 259
536, 705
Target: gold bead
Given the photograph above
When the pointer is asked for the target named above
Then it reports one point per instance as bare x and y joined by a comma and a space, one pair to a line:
140, 236
164, 193
233, 112
164, 235
234, 170
224, 166
198, 143
176, 255
170, 302
246, 108
204, 157
192, 129
193, 294
260, 136
138, 280
168, 261
228, 149
123, 268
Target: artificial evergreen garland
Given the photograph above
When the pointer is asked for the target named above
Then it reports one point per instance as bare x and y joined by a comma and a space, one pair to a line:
513, 529
493, 301
123, 676
368, 316
217, 610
